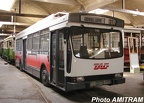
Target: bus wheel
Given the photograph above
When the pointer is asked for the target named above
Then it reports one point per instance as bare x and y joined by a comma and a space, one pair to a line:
45, 77
20, 67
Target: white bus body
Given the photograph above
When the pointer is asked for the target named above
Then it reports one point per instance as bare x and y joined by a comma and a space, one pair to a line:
73, 50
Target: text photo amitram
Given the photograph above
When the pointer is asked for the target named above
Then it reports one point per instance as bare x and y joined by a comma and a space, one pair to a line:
118, 99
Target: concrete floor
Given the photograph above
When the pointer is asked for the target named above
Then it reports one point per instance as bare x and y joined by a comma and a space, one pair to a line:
15, 87
19, 87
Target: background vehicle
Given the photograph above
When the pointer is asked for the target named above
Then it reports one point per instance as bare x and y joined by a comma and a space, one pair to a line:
8, 48
138, 43
1, 47
73, 50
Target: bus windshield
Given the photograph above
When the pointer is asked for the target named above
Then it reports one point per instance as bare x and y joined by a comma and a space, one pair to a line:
93, 43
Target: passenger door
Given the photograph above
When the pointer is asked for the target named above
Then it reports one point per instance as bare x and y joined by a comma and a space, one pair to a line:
57, 58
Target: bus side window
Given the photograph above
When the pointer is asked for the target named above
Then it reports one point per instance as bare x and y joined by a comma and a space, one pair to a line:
10, 44
61, 50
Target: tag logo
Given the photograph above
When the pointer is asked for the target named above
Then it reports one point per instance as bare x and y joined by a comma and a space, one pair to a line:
101, 66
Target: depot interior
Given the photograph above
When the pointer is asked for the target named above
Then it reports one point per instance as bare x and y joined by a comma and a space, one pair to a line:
20, 14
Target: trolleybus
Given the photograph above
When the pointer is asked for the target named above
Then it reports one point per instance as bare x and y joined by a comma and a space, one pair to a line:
73, 50
1, 47
8, 48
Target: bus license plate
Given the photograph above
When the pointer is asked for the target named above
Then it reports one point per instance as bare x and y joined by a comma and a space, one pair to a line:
106, 81
100, 83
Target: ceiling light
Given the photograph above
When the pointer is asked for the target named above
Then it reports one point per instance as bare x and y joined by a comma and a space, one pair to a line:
127, 11
99, 11
13, 23
2, 34
6, 4
0, 25
136, 14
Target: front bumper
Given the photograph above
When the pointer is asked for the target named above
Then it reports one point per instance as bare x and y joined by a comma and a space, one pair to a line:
84, 85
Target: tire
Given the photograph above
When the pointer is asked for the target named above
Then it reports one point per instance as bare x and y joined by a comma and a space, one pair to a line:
45, 77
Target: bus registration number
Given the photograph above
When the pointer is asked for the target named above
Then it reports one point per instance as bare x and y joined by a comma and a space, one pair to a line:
99, 83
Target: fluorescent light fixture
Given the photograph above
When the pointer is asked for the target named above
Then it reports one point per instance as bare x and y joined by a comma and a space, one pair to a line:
133, 12
6, 4
1, 34
99, 11
13, 23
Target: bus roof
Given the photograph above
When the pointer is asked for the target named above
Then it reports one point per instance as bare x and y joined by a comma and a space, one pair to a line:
9, 37
133, 30
60, 17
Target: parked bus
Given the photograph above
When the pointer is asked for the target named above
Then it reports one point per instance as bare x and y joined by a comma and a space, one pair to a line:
73, 50
8, 48
1, 47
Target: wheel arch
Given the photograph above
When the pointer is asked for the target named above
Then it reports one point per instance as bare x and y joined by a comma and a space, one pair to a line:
45, 82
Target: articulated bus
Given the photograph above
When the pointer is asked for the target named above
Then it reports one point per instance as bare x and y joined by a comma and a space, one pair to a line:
73, 50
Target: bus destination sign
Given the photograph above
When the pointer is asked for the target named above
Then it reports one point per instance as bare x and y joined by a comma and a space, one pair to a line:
97, 19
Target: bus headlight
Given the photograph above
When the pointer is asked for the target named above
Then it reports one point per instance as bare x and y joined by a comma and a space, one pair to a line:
119, 75
79, 79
